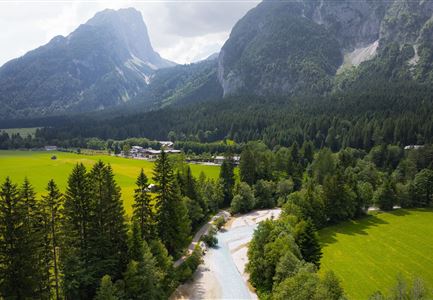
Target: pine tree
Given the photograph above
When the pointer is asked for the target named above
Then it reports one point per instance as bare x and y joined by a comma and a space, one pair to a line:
227, 179
76, 226
142, 208
108, 231
308, 242
34, 237
106, 290
247, 166
385, 196
52, 203
164, 264
172, 215
16, 257
141, 278
195, 204
135, 243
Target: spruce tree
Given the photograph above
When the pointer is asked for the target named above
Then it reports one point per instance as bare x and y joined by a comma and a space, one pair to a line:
76, 224
107, 230
34, 242
141, 278
106, 290
135, 243
142, 208
247, 166
52, 204
227, 179
172, 215
192, 198
385, 196
16, 257
308, 242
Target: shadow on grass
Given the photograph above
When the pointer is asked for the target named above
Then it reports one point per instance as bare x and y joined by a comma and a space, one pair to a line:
356, 227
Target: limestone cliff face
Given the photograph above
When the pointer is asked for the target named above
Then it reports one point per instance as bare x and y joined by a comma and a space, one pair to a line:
299, 46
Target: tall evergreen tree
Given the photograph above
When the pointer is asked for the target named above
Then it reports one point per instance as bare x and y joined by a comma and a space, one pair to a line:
75, 258
247, 166
172, 214
308, 241
108, 230
141, 277
227, 179
106, 290
35, 261
339, 199
385, 196
16, 269
52, 204
142, 207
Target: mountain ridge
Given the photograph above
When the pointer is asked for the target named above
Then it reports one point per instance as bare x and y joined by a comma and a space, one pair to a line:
104, 62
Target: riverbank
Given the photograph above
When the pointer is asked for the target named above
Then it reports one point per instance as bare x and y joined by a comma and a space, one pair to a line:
222, 274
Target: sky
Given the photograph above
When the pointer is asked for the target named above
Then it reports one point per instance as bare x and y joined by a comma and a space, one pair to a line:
181, 31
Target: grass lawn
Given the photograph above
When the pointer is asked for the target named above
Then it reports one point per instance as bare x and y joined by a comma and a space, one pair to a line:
24, 132
368, 254
39, 168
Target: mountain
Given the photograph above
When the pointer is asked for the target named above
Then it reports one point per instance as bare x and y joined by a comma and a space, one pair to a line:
314, 46
104, 62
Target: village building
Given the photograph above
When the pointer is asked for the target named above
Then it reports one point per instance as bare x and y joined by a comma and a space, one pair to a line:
166, 144
149, 153
413, 147
219, 159
50, 148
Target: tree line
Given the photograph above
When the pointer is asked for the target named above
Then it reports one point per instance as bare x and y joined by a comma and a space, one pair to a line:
379, 112
318, 188
79, 244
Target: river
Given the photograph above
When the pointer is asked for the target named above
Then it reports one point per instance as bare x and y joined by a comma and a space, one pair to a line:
222, 274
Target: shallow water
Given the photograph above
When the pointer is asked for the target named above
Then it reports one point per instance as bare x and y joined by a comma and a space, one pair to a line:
220, 260
222, 276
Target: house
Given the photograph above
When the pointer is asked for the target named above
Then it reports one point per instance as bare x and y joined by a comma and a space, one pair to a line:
50, 148
413, 147
148, 153
136, 151
219, 159
166, 144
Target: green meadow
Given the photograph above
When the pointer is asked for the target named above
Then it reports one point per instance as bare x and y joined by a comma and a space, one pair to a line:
368, 255
24, 132
40, 168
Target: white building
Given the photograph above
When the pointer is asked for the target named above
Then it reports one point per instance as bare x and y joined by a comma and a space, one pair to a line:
413, 147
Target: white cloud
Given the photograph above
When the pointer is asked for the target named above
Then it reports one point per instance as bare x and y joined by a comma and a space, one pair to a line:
182, 31
190, 49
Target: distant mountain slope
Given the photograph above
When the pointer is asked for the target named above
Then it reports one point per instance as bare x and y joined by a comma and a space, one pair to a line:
105, 62
304, 46
185, 83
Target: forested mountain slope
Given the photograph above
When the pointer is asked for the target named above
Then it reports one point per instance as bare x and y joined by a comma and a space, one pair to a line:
103, 63
286, 47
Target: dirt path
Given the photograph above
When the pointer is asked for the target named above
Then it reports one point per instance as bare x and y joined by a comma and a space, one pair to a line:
202, 231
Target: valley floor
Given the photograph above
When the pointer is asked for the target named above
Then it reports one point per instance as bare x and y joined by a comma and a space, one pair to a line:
39, 168
368, 254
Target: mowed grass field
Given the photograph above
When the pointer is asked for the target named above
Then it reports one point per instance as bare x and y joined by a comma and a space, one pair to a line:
368, 255
39, 168
24, 132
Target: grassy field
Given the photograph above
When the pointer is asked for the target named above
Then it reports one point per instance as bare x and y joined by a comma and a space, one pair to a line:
368, 255
39, 168
22, 131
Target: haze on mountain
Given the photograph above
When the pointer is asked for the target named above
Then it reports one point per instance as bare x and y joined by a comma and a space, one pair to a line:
104, 62
278, 49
